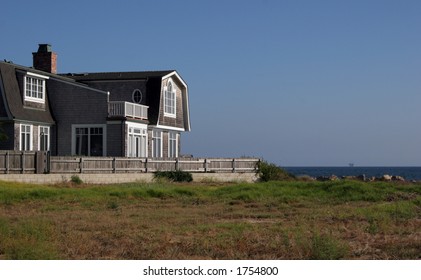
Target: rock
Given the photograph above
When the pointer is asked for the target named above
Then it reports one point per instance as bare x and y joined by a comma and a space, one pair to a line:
386, 177
362, 177
349, 177
372, 179
322, 178
398, 178
333, 178
306, 178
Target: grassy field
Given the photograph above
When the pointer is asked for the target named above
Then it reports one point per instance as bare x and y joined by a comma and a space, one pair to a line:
273, 220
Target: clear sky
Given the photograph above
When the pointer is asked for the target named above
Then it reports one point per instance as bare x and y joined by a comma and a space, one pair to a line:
299, 83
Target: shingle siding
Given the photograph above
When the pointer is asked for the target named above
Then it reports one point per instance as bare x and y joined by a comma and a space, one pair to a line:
9, 130
116, 139
178, 121
121, 90
165, 144
74, 105
3, 110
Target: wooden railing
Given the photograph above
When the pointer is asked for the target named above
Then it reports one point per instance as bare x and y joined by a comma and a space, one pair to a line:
127, 109
129, 165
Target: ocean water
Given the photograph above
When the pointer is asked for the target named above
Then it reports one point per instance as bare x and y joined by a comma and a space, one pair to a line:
409, 173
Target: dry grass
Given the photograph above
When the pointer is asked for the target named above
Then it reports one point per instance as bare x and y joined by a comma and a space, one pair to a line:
275, 220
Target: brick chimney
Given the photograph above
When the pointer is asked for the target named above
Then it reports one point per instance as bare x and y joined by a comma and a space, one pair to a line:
45, 59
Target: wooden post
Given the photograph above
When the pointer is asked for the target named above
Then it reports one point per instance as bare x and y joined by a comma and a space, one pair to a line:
206, 165
81, 165
114, 165
146, 165
47, 162
233, 165
177, 165
7, 162
22, 162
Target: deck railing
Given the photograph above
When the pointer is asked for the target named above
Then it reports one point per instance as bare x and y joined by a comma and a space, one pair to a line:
127, 109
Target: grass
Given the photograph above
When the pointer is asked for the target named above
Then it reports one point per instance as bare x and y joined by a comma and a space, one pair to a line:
163, 220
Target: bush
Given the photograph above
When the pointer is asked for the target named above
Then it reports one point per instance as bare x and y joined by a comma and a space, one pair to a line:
272, 172
76, 179
175, 176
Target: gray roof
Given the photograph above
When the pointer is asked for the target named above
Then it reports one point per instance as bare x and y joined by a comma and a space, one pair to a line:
13, 96
82, 77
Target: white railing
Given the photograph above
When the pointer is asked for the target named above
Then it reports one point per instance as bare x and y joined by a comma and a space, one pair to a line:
127, 109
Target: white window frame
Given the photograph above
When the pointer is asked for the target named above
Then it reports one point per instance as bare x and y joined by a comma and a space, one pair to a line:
172, 137
154, 139
31, 139
43, 128
37, 88
89, 126
170, 96
132, 134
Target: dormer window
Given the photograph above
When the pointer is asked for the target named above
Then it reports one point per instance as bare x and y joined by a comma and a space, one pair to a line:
34, 87
169, 100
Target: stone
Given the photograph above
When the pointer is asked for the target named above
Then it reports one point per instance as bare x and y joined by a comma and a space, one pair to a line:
398, 178
386, 177
322, 178
361, 177
333, 177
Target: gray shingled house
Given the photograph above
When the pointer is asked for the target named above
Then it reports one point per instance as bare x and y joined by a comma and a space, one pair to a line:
131, 114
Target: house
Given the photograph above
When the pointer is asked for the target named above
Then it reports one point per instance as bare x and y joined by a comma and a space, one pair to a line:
130, 114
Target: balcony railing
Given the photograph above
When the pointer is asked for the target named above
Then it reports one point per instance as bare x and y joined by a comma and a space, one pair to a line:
127, 109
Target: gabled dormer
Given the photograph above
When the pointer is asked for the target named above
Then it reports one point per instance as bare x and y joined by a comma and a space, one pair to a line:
174, 103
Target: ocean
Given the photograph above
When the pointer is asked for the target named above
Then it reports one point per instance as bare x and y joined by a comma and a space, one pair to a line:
409, 173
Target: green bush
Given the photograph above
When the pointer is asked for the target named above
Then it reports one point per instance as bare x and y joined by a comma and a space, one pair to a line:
76, 179
272, 172
175, 176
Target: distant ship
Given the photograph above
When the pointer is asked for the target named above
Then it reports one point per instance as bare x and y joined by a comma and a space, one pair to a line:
351, 164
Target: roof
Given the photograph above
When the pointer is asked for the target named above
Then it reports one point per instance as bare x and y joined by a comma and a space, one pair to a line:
83, 77
13, 96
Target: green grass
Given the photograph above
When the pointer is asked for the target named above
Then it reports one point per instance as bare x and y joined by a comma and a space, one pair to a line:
163, 220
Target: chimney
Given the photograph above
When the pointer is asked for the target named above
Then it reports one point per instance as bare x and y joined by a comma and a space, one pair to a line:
45, 59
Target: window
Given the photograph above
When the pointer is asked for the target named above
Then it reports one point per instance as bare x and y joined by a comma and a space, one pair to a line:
169, 100
138, 140
34, 89
172, 145
156, 143
44, 138
89, 141
25, 137
137, 96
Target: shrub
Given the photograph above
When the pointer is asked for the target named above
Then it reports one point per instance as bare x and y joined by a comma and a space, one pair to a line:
76, 179
175, 176
272, 172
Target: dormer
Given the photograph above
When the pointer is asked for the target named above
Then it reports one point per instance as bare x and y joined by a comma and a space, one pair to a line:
34, 87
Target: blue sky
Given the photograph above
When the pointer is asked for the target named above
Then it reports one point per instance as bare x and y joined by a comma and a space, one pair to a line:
299, 83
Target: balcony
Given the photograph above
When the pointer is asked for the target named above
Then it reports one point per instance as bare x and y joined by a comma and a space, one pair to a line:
127, 109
